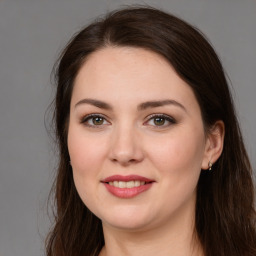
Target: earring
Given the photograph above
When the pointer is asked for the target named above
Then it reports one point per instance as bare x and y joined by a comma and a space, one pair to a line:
210, 165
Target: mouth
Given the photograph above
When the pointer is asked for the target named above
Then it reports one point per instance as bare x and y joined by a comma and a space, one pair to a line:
127, 186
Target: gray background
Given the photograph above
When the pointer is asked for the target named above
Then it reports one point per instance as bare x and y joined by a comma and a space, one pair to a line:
32, 33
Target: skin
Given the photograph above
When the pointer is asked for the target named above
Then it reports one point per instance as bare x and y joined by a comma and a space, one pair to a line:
128, 140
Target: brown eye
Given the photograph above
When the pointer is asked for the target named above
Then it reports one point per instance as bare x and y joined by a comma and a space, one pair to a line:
159, 121
97, 120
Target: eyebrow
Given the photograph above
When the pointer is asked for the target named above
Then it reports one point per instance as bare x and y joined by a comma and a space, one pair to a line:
96, 103
160, 103
142, 106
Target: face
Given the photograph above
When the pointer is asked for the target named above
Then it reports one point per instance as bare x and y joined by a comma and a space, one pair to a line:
136, 139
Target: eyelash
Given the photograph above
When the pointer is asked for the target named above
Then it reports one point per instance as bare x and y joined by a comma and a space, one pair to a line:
167, 118
87, 118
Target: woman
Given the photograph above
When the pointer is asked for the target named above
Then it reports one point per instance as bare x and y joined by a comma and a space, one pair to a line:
152, 160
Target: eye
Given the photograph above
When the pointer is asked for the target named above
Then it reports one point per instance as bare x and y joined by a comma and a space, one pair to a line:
94, 120
160, 120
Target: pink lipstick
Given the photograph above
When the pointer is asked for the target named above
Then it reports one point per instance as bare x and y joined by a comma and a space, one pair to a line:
127, 186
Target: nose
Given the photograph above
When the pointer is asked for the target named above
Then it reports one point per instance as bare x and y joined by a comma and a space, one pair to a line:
126, 146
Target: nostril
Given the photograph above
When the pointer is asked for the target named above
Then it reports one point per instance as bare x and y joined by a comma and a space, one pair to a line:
124, 160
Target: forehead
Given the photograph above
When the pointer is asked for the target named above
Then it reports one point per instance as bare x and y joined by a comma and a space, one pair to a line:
131, 74
136, 61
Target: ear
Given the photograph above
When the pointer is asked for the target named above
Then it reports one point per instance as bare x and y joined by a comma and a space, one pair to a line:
214, 144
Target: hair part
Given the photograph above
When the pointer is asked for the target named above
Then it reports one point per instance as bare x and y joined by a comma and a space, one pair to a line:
225, 214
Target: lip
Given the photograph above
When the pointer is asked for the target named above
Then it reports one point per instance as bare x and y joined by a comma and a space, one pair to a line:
126, 178
127, 192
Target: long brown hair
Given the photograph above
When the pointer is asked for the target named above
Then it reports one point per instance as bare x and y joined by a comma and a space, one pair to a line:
225, 215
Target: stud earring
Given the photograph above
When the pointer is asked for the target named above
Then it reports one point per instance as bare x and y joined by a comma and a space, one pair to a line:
210, 165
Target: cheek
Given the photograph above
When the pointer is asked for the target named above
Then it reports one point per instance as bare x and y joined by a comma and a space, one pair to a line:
178, 162
180, 153
86, 152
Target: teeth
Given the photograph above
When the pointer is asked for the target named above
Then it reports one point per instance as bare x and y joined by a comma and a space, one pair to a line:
128, 184
136, 183
122, 184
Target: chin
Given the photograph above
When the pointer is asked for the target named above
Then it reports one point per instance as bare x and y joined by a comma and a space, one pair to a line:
127, 219
127, 224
